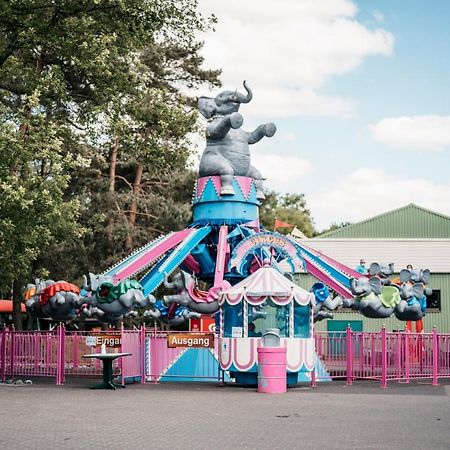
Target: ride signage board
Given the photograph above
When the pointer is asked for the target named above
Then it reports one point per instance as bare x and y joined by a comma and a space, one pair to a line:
187, 340
263, 245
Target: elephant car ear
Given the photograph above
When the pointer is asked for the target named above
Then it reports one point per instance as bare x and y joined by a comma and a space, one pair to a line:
418, 290
405, 275
426, 276
374, 269
376, 285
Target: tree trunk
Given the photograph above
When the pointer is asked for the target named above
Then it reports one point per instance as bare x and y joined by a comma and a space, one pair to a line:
134, 206
112, 186
17, 303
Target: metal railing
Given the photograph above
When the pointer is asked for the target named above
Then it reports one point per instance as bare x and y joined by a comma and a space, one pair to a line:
383, 356
400, 356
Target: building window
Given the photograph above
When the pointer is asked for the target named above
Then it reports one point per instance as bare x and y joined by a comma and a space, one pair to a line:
434, 301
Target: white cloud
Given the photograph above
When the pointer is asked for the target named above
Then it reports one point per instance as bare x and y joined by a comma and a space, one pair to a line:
288, 50
367, 192
426, 133
284, 173
288, 137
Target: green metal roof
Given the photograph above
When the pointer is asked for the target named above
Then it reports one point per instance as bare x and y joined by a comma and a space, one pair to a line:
410, 221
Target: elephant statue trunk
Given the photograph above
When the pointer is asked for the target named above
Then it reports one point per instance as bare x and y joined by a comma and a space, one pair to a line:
240, 98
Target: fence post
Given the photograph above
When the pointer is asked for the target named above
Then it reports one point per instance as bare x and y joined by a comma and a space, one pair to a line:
122, 377
3, 355
435, 356
349, 351
142, 353
60, 355
12, 359
383, 358
407, 354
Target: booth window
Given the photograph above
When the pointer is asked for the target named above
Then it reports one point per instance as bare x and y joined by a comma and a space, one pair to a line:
232, 318
269, 315
302, 321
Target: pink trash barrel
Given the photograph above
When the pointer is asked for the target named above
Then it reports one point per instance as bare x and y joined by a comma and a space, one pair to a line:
272, 370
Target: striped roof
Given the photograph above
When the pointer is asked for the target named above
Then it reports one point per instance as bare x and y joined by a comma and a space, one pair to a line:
266, 282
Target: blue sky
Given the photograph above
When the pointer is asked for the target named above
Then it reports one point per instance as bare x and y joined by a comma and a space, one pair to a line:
359, 91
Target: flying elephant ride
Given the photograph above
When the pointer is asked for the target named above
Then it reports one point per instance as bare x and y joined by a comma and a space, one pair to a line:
225, 247
55, 299
380, 297
108, 301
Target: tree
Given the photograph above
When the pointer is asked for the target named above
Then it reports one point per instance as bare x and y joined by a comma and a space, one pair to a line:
334, 226
67, 68
290, 208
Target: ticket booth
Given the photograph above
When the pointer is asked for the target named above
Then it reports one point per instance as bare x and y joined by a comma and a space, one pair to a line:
265, 300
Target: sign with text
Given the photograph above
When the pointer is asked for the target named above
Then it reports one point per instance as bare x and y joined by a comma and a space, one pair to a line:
190, 340
267, 242
110, 340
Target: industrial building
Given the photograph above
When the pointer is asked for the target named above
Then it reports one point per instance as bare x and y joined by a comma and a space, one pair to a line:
408, 235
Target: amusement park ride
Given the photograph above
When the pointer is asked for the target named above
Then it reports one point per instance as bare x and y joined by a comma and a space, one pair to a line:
242, 263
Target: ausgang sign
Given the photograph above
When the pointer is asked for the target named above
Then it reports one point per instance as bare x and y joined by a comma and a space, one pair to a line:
190, 340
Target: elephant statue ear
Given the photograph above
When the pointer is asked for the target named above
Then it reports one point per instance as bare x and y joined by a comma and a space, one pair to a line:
86, 285
376, 284
419, 290
206, 106
391, 269
187, 279
374, 269
426, 276
405, 275
93, 281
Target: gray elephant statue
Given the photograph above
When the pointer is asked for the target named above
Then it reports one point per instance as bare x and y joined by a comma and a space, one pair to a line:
372, 298
227, 150
57, 300
111, 302
172, 315
203, 302
413, 293
413, 303
382, 271
325, 303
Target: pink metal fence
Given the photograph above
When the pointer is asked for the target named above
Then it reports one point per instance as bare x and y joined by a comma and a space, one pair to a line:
60, 353
383, 356
161, 358
349, 355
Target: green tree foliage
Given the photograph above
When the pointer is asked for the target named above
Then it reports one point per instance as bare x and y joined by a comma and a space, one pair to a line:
78, 79
289, 208
335, 226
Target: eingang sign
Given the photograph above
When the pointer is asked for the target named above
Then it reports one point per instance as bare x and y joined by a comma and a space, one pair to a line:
190, 340
110, 340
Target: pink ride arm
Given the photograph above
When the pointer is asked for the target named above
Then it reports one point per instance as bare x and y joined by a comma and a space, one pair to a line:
222, 250
147, 258
336, 264
322, 276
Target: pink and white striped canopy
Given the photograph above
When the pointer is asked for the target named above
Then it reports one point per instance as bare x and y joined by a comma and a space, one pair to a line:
266, 282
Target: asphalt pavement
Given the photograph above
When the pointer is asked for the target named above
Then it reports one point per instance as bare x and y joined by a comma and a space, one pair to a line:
210, 416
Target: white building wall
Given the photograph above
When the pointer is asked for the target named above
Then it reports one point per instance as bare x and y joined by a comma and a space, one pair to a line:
433, 254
